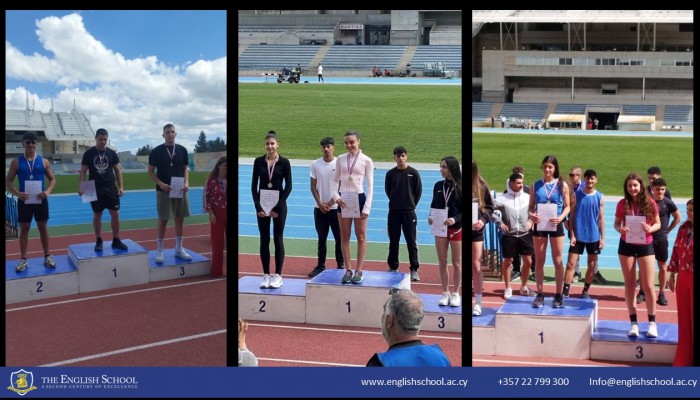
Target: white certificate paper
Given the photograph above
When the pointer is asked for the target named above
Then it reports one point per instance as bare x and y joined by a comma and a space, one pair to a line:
546, 211
177, 183
32, 188
352, 205
438, 227
636, 234
475, 212
269, 199
89, 191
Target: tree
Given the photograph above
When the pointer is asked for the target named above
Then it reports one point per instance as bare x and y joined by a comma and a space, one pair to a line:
144, 151
202, 145
216, 145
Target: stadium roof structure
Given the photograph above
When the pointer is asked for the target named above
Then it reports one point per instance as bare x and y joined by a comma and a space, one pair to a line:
55, 125
580, 16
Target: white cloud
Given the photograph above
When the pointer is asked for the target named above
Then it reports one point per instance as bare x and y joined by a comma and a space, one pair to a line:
131, 98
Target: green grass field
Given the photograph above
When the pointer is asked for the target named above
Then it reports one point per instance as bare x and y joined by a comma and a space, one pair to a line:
132, 181
427, 120
612, 157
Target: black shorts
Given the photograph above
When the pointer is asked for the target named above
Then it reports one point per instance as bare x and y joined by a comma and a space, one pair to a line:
591, 248
558, 233
513, 245
478, 236
40, 212
107, 197
660, 249
635, 250
363, 199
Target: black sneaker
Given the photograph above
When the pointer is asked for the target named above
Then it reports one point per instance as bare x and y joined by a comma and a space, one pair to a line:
558, 301
341, 267
640, 297
98, 244
117, 244
414, 275
598, 278
661, 300
515, 276
539, 301
316, 271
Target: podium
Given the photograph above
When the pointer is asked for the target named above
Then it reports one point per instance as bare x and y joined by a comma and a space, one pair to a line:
522, 330
440, 318
285, 304
38, 282
110, 268
84, 270
484, 332
610, 342
330, 302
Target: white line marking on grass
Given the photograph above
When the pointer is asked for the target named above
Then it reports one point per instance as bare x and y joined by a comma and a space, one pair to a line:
113, 295
135, 348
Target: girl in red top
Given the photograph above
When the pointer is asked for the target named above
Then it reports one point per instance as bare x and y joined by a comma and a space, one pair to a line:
215, 204
637, 203
682, 263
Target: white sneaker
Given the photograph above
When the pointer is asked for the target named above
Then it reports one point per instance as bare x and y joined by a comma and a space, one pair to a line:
159, 256
276, 281
508, 293
265, 284
445, 300
526, 291
455, 300
651, 331
476, 311
181, 253
634, 331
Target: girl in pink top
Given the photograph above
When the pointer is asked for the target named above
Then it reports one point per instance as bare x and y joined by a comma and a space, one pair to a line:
352, 169
637, 203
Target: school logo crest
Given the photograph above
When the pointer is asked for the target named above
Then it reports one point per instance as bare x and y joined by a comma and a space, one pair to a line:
21, 382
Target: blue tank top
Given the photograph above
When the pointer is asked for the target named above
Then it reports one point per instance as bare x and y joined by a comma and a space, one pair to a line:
587, 214
37, 170
423, 355
542, 189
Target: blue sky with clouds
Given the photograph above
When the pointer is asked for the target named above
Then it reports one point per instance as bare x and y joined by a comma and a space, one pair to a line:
130, 72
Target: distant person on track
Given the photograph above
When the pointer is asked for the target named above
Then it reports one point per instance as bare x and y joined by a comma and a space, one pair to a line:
682, 263
320, 73
271, 173
104, 168
215, 193
326, 210
31, 167
637, 203
447, 195
667, 208
170, 160
587, 225
403, 187
547, 192
401, 321
352, 169
246, 358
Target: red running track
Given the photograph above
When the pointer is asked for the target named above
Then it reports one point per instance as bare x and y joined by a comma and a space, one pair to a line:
169, 323
293, 344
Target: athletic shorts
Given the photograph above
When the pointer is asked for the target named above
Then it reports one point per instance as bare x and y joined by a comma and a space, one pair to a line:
40, 212
168, 207
591, 248
107, 197
635, 250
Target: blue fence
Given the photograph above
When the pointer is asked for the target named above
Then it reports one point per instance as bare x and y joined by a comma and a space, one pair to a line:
11, 217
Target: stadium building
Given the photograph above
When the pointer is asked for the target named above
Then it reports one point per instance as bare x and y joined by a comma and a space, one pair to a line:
351, 42
629, 69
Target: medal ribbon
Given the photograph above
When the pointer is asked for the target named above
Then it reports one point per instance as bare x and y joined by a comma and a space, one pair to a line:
446, 194
170, 155
352, 167
31, 166
549, 194
269, 170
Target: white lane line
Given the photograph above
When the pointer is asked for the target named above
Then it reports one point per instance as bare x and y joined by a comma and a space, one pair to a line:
309, 362
535, 363
135, 348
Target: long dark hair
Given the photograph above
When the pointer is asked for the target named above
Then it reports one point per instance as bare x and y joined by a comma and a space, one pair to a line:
214, 174
645, 206
455, 173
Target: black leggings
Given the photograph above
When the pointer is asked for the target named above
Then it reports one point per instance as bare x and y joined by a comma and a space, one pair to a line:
278, 232
323, 223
